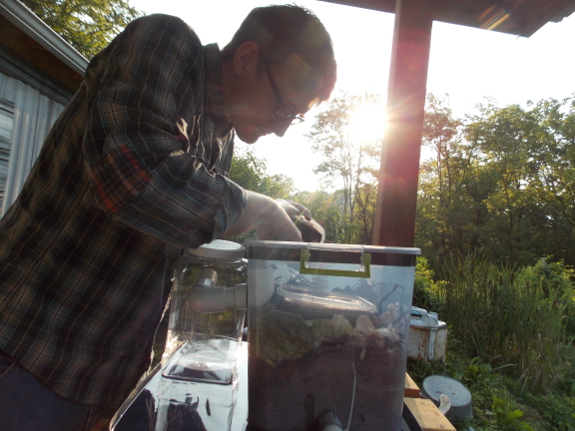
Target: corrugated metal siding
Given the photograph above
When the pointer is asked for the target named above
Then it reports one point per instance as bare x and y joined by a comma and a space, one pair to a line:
34, 114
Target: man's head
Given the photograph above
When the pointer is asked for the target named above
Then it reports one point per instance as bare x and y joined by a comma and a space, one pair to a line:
278, 65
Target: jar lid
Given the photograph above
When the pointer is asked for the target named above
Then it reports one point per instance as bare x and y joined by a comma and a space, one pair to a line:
219, 249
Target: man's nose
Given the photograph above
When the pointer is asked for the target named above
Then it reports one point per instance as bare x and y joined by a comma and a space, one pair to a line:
280, 127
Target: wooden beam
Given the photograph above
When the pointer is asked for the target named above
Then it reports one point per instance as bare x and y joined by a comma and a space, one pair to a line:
398, 177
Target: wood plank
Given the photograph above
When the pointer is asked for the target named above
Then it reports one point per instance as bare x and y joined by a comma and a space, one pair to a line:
411, 389
428, 415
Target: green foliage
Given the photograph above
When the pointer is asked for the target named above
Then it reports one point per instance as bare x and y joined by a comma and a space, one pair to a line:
481, 380
509, 340
554, 279
501, 182
558, 410
476, 374
508, 418
445, 215
88, 25
425, 289
251, 173
326, 209
499, 313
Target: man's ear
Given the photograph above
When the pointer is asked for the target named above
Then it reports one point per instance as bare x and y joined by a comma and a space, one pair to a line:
246, 56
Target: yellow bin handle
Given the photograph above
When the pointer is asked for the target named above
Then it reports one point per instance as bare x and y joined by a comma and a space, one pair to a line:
364, 260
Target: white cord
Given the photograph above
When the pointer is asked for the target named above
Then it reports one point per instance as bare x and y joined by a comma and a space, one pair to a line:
352, 397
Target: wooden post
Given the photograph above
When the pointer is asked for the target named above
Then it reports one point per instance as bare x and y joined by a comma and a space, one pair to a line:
398, 177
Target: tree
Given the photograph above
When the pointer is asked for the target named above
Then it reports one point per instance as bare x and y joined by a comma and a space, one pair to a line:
556, 167
351, 156
88, 25
501, 182
451, 205
251, 173
366, 198
507, 139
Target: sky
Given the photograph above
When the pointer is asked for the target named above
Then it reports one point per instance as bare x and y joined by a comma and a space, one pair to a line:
468, 64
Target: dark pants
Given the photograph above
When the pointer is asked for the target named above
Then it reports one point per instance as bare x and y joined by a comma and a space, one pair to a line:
26, 404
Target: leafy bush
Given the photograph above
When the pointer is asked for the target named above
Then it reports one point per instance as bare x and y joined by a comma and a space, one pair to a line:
508, 417
424, 287
554, 280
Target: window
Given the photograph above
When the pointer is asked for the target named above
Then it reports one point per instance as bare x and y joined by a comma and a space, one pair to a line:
6, 126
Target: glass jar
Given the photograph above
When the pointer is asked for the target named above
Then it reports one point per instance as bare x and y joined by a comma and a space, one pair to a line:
207, 313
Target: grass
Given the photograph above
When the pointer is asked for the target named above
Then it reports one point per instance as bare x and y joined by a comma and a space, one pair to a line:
499, 402
511, 337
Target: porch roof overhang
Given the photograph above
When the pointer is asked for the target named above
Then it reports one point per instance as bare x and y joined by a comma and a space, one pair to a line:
518, 17
398, 177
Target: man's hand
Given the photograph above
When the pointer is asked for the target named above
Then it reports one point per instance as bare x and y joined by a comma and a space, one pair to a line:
269, 219
311, 231
294, 209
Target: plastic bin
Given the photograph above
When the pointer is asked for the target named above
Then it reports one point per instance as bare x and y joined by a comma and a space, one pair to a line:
328, 327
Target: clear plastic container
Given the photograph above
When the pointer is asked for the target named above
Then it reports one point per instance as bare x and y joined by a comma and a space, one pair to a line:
194, 406
207, 314
328, 328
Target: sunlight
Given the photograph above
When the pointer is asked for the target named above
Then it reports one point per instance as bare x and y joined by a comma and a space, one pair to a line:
368, 122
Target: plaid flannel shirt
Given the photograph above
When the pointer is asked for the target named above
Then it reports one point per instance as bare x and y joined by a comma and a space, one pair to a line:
134, 170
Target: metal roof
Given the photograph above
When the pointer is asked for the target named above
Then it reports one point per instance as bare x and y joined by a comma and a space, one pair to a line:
23, 18
518, 17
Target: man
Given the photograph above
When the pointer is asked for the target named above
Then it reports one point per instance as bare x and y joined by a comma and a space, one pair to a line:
134, 170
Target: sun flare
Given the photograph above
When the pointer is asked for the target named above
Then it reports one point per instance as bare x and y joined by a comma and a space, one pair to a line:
368, 122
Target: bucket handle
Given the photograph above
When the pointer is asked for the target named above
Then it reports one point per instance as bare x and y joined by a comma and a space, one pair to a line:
364, 261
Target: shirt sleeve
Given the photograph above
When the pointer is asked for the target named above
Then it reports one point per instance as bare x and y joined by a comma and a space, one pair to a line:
143, 137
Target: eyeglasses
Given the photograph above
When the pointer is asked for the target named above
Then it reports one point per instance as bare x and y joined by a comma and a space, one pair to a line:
282, 112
